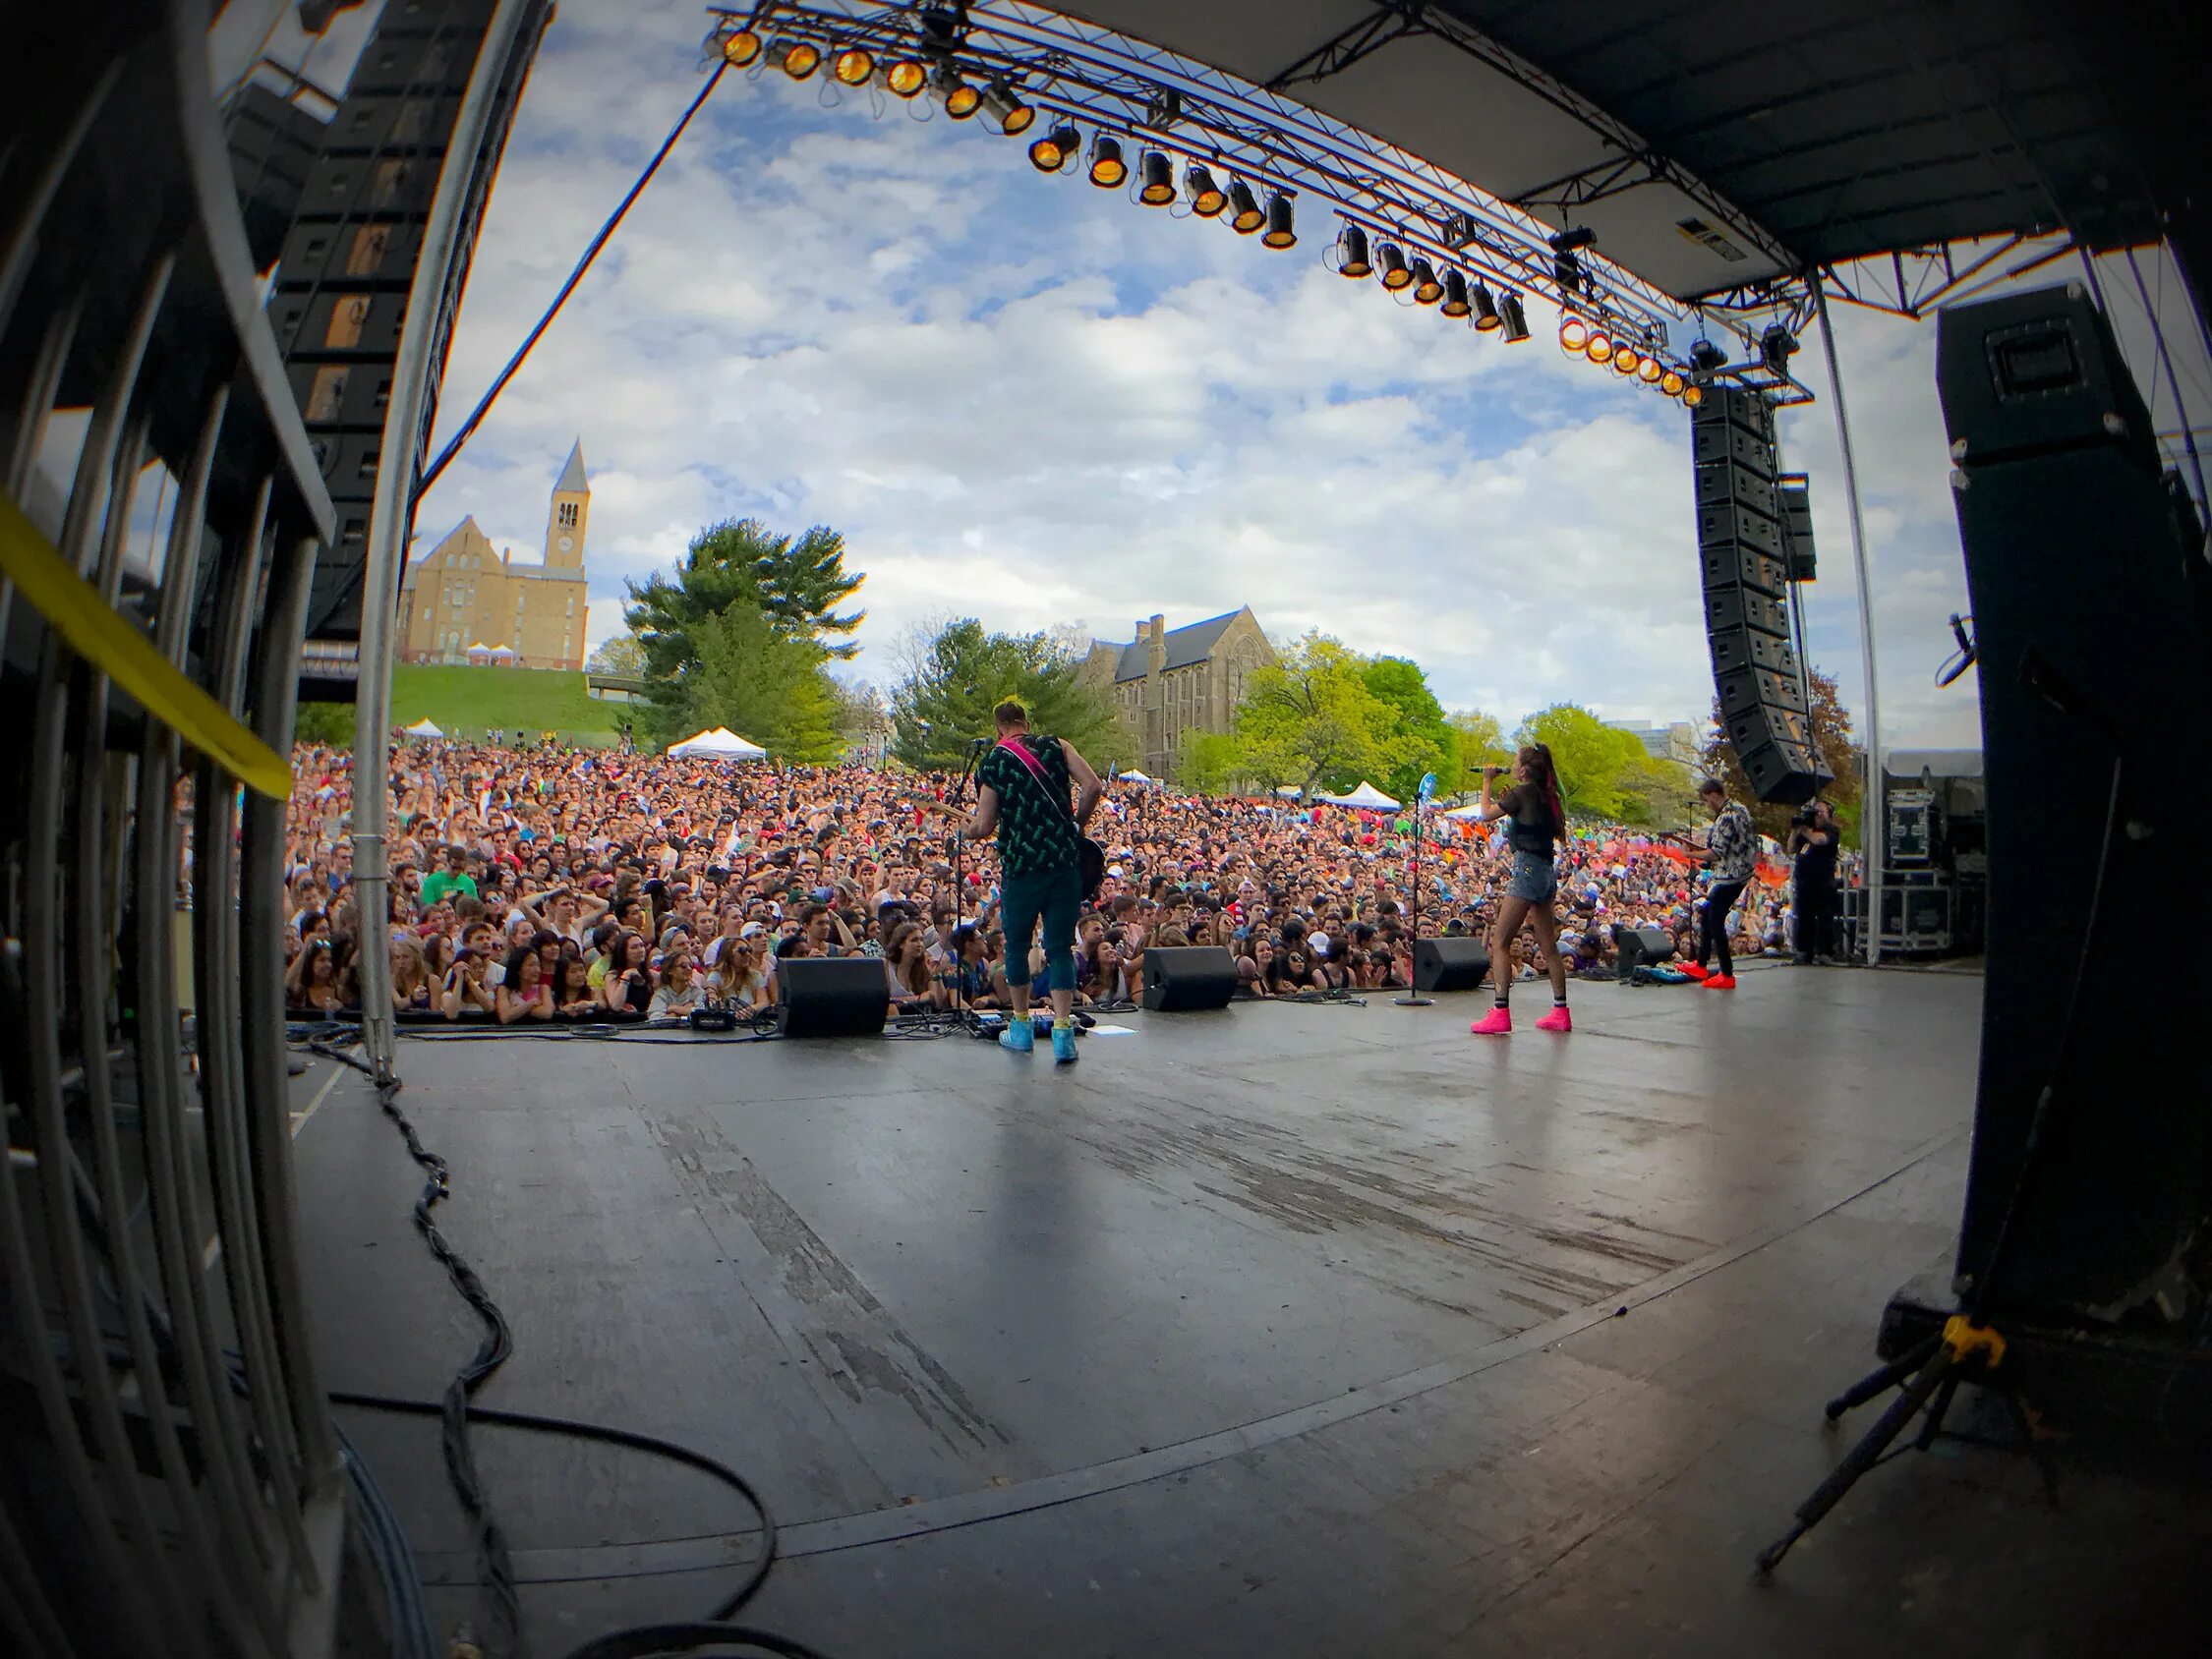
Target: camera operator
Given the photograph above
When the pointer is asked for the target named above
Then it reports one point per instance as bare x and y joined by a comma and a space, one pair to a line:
1813, 839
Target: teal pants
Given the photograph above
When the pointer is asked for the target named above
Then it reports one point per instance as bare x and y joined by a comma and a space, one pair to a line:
1052, 896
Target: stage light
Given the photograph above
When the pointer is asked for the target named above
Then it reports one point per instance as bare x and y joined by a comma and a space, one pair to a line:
1649, 369
1456, 303
853, 65
1245, 215
1107, 168
1158, 174
1050, 152
1486, 313
741, 50
1281, 232
961, 100
1208, 198
1705, 357
1567, 271
1598, 348
1004, 105
1459, 230
944, 29
799, 58
1516, 320
1775, 347
1625, 357
1671, 382
1351, 252
1574, 334
1570, 240
1427, 289
1692, 395
905, 79
1396, 275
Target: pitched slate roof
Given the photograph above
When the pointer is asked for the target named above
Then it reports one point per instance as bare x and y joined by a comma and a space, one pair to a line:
1187, 645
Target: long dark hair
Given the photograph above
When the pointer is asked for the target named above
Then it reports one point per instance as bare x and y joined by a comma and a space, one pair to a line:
1536, 757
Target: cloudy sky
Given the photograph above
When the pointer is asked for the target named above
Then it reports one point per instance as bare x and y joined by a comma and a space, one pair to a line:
1034, 402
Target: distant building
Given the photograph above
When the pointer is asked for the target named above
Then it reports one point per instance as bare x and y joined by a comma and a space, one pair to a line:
1679, 741
1167, 683
466, 604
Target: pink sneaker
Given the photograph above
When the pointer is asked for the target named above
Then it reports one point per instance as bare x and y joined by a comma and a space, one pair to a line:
1498, 1022
1696, 970
1559, 1019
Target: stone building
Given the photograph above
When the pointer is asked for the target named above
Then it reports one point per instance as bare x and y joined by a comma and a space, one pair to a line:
1169, 683
464, 602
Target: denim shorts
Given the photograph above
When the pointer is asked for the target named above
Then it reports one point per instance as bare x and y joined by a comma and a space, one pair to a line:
1536, 878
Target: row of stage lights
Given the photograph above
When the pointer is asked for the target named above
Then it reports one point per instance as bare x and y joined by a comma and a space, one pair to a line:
1451, 292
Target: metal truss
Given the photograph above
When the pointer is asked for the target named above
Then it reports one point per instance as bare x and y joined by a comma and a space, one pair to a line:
1133, 92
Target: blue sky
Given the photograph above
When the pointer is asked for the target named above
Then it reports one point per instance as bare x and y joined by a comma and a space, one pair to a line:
1038, 403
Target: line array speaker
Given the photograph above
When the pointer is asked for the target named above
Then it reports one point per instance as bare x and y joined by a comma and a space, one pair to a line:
1748, 554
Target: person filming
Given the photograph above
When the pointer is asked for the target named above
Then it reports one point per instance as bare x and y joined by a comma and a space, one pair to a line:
1813, 840
1537, 818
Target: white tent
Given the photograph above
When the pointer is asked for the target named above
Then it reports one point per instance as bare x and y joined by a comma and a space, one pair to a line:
1473, 808
718, 744
1366, 795
1132, 776
422, 728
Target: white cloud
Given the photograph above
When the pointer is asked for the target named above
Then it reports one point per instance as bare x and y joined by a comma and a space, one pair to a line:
1037, 402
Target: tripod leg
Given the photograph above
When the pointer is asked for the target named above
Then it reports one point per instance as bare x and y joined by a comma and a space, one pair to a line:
1937, 1412
1860, 1459
2037, 1450
1889, 1376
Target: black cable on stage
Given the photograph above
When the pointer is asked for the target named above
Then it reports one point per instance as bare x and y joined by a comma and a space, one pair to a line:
492, 1352
591, 253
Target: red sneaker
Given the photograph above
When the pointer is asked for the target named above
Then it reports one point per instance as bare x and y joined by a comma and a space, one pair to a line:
1559, 1019
1498, 1022
1721, 982
1695, 970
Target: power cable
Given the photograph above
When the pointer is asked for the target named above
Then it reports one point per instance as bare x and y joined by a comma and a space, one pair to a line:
484, 407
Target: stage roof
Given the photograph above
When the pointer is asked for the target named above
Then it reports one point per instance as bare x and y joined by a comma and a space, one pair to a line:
1712, 144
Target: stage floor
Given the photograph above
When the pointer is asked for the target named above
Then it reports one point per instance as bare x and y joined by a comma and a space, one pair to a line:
1283, 1330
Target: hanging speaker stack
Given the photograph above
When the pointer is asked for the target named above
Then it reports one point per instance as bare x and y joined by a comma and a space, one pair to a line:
1750, 535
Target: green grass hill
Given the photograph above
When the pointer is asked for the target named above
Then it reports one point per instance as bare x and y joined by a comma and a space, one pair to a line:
470, 702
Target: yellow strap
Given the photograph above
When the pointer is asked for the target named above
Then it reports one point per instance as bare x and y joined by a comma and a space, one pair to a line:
72, 608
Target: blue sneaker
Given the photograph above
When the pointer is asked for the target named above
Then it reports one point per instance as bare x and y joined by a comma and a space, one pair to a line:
1019, 1036
1063, 1044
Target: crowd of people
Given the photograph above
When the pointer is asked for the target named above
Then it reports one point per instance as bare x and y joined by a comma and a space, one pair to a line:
545, 885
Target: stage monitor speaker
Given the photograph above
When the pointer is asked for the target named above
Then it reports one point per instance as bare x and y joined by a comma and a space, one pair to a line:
1641, 947
831, 997
1450, 964
2094, 651
1181, 978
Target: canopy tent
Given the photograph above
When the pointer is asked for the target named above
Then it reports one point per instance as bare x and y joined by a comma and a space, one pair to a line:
1367, 796
1473, 808
718, 743
1132, 776
421, 729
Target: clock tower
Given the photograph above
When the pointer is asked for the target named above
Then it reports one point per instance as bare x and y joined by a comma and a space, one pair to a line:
571, 510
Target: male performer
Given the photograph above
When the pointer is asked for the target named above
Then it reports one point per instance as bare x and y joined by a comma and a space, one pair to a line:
1022, 792
1731, 851
1813, 840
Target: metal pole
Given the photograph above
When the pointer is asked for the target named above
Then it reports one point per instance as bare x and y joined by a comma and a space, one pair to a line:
390, 512
2173, 382
1871, 823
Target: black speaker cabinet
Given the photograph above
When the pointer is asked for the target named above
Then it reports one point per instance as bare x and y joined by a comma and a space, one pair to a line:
1641, 947
831, 997
1181, 978
2093, 641
1450, 964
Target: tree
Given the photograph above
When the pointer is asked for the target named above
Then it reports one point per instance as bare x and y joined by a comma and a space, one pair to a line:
1595, 762
1831, 737
1210, 763
1480, 742
959, 673
327, 723
1309, 720
621, 655
754, 677
863, 716
1426, 743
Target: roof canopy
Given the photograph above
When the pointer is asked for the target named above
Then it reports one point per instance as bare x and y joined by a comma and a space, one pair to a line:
719, 743
1720, 143
1366, 795
422, 728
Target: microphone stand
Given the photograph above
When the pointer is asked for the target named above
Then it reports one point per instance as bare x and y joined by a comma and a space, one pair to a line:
1413, 999
963, 1015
